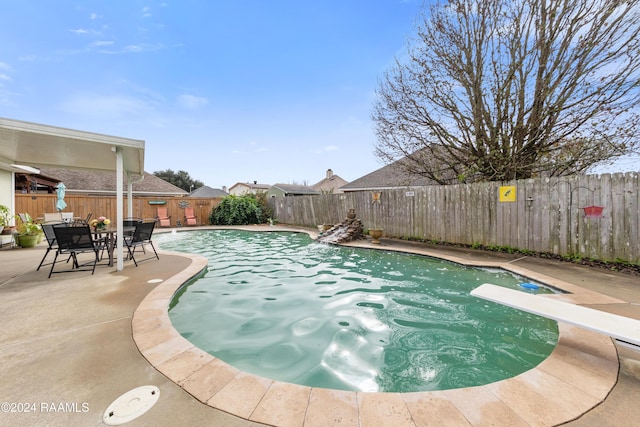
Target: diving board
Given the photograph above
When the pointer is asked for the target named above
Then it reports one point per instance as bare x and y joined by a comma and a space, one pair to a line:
613, 325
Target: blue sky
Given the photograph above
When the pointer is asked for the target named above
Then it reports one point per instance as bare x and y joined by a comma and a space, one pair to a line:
230, 91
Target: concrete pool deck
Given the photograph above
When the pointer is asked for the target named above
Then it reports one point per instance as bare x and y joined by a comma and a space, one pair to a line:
72, 344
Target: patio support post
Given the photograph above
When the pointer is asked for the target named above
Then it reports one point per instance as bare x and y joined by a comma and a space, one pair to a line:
119, 207
131, 179
129, 196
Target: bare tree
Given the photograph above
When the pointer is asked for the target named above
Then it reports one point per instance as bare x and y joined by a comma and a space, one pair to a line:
510, 89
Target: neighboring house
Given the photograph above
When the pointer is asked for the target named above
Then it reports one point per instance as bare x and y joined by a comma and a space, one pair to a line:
241, 188
387, 177
285, 190
330, 184
83, 181
206, 192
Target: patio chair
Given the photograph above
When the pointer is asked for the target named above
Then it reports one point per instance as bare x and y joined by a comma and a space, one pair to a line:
50, 235
140, 237
25, 218
73, 241
49, 217
190, 217
67, 217
83, 221
163, 218
131, 221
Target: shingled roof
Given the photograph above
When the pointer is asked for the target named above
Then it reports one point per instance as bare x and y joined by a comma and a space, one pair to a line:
330, 184
208, 192
387, 177
295, 190
94, 182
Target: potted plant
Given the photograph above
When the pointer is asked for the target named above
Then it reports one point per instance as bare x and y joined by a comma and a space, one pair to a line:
5, 220
29, 233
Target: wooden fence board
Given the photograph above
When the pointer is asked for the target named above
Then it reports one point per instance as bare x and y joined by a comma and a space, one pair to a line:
36, 204
554, 221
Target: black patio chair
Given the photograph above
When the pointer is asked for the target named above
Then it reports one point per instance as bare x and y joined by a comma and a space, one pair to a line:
140, 237
73, 241
49, 234
131, 221
83, 221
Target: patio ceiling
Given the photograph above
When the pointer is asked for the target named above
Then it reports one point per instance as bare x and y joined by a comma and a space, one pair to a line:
36, 145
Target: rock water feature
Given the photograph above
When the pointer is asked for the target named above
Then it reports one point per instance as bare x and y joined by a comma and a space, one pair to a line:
346, 231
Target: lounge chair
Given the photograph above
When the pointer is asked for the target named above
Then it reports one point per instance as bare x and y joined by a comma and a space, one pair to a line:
140, 237
163, 218
73, 241
190, 217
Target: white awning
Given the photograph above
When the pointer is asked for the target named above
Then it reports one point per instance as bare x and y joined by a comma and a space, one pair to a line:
25, 145
37, 145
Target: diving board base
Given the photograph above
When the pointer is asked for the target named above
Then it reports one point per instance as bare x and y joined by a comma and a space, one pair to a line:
613, 325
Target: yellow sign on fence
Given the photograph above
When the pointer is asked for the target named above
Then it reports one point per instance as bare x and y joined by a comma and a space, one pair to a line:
508, 193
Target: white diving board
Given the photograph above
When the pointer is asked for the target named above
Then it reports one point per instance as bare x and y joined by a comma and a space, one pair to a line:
613, 325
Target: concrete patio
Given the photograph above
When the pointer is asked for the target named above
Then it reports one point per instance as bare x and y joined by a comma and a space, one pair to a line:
67, 348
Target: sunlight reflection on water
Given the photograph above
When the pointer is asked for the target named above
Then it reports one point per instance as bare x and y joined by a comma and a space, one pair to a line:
279, 305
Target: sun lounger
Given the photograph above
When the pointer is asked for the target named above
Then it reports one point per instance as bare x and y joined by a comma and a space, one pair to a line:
163, 218
190, 217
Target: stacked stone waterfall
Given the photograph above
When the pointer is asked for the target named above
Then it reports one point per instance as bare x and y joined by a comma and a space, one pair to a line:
346, 231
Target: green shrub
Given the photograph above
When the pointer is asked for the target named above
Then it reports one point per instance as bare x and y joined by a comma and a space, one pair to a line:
237, 210
267, 212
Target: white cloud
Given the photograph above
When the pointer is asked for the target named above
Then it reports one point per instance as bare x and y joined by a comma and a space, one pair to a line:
105, 106
331, 148
93, 16
133, 48
79, 31
4, 66
5, 77
192, 102
102, 43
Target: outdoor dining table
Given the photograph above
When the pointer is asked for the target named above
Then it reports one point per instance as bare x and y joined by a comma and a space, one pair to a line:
110, 237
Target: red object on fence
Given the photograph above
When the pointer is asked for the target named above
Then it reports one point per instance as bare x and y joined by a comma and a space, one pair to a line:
593, 211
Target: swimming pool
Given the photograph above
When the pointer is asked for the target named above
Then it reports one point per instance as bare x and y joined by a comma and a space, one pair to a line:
282, 306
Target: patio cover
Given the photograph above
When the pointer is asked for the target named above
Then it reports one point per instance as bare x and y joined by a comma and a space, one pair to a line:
25, 145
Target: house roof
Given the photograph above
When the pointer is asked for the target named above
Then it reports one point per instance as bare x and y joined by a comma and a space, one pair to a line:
251, 185
295, 189
208, 192
330, 183
91, 181
390, 176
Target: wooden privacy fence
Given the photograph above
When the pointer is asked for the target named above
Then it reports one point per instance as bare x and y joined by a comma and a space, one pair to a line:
547, 214
36, 205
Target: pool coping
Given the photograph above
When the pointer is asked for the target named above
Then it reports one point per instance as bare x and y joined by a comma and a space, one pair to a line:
577, 376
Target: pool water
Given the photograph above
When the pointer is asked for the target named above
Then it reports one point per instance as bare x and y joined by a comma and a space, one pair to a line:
282, 306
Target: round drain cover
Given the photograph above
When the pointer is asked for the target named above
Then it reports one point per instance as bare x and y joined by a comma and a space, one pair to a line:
131, 405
